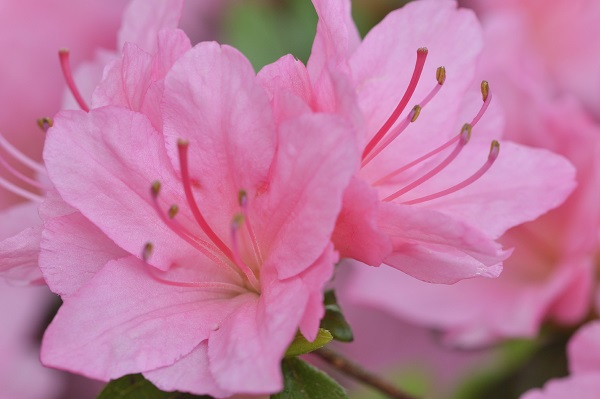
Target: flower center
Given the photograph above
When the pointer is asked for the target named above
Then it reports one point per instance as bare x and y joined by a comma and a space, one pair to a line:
230, 259
390, 130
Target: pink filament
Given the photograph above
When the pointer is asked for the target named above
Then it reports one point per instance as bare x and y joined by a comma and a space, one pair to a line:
196, 284
20, 191
483, 108
238, 258
21, 176
65, 65
18, 155
468, 181
442, 165
256, 248
206, 248
400, 128
185, 177
419, 64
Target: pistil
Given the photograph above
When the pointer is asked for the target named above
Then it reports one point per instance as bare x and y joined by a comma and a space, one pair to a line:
65, 64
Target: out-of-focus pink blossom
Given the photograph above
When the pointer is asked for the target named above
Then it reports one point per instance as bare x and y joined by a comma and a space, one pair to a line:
425, 202
554, 38
551, 274
584, 365
235, 273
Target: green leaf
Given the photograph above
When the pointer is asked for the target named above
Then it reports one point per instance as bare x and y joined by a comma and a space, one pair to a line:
301, 345
135, 386
334, 320
303, 381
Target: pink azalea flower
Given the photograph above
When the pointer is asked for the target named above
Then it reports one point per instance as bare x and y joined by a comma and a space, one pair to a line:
584, 365
206, 301
21, 229
423, 200
551, 274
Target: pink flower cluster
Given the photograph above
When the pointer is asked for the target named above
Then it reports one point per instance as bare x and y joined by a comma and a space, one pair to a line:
193, 211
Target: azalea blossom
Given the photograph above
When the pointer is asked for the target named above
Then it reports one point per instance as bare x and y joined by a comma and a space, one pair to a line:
207, 244
584, 365
433, 190
551, 274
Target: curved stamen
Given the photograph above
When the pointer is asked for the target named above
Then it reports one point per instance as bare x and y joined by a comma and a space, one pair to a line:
65, 65
486, 94
205, 247
419, 64
18, 155
494, 151
410, 118
182, 147
235, 225
424, 157
147, 251
243, 201
20, 191
21, 176
464, 139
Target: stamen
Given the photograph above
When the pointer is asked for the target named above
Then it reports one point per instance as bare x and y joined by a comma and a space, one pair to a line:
205, 247
65, 64
412, 117
243, 201
20, 191
465, 135
173, 211
235, 225
18, 155
45, 123
431, 153
419, 64
21, 176
414, 114
182, 146
486, 94
147, 252
494, 151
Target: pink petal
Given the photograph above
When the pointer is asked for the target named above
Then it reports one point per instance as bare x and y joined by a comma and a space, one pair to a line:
116, 155
578, 386
383, 64
522, 184
213, 100
314, 279
123, 321
19, 256
73, 251
336, 39
357, 233
246, 351
315, 160
584, 350
143, 20
189, 374
433, 247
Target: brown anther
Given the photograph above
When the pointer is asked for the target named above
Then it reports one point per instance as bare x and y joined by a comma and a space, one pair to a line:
173, 211
242, 197
147, 251
45, 123
237, 220
494, 149
485, 90
155, 188
440, 75
465, 132
416, 111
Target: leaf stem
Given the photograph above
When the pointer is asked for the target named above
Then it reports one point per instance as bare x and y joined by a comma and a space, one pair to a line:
358, 373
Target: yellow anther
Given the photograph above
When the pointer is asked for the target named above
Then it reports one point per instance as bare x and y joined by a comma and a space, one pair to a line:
173, 211
416, 111
440, 75
485, 90
155, 188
